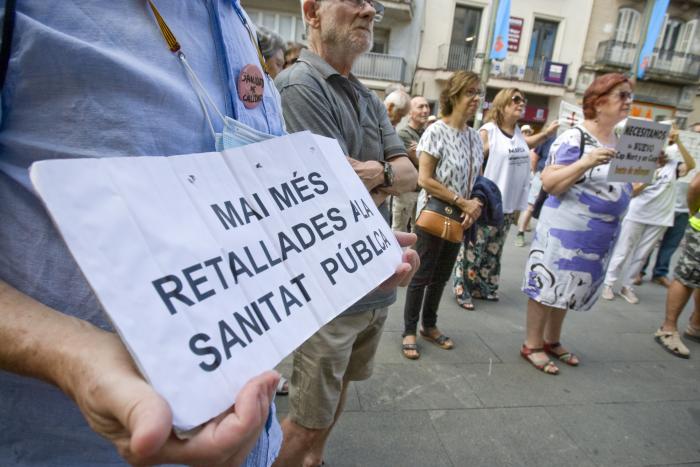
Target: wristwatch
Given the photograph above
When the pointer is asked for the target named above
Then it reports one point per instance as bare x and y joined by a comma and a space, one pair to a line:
388, 175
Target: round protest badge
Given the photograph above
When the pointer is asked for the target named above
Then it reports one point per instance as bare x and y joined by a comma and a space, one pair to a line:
251, 85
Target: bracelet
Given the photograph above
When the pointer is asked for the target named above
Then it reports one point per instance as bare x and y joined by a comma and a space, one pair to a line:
454, 200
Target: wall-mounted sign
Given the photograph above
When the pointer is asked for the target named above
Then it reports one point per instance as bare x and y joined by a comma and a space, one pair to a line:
515, 30
555, 72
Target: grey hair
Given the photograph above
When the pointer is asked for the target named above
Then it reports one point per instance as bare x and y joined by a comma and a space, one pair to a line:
270, 42
399, 98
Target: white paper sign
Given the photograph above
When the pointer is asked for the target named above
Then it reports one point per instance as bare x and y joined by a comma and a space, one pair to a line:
213, 267
691, 141
570, 115
638, 150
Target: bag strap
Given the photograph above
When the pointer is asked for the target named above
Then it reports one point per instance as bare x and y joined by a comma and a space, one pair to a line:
582, 144
8, 27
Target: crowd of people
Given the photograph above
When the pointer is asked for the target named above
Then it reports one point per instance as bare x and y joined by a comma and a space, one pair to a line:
58, 350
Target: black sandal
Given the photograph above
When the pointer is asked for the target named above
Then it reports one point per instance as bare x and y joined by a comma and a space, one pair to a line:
408, 347
441, 341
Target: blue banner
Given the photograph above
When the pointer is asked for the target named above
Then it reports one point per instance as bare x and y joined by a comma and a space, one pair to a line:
499, 47
655, 23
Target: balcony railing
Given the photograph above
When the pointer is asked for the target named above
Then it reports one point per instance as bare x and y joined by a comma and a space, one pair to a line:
454, 57
666, 62
680, 65
381, 67
545, 71
616, 53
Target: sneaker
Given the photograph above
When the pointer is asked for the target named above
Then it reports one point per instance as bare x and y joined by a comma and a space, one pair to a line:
520, 239
607, 293
628, 294
671, 341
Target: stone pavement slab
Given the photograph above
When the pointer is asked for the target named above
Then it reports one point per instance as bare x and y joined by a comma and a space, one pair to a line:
506, 437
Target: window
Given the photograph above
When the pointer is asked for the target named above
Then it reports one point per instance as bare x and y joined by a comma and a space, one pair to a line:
287, 25
381, 41
544, 34
465, 32
689, 43
627, 27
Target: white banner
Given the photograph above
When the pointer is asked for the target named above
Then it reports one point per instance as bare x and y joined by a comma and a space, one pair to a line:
570, 115
213, 267
637, 151
691, 141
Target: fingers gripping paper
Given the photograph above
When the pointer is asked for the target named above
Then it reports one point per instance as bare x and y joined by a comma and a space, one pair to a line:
213, 267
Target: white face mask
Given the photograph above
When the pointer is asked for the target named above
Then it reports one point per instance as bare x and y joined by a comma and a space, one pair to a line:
234, 133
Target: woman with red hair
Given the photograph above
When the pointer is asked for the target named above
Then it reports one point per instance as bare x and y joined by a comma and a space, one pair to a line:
578, 223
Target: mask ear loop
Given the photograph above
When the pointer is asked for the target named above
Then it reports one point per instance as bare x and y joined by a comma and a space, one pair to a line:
199, 91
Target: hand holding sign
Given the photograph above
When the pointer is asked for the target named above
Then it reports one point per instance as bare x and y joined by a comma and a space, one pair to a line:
598, 156
122, 407
215, 266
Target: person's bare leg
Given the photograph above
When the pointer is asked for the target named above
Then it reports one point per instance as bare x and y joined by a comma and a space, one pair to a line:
552, 329
694, 320
537, 316
676, 299
524, 220
552, 333
297, 443
315, 456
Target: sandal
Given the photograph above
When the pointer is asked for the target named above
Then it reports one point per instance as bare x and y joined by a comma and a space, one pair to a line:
566, 357
440, 340
406, 348
548, 367
466, 304
492, 297
692, 333
672, 343
282, 387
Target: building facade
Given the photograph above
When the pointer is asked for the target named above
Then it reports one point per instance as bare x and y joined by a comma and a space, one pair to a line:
669, 89
545, 47
397, 37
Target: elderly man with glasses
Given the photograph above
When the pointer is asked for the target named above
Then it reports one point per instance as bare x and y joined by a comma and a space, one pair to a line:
320, 94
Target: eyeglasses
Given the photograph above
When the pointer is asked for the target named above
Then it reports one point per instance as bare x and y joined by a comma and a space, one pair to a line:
519, 100
475, 92
378, 7
624, 96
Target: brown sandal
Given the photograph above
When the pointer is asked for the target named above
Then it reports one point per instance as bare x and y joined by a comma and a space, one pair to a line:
548, 367
440, 340
566, 357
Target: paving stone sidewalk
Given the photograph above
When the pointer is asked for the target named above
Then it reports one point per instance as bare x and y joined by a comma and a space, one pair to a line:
480, 404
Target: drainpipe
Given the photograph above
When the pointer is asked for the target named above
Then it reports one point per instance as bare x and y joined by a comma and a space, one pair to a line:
486, 66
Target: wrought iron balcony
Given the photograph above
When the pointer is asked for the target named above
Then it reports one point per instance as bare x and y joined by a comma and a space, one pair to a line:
454, 57
679, 65
547, 72
616, 53
380, 67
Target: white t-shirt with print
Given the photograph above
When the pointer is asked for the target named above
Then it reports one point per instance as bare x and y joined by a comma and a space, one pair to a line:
508, 166
681, 204
459, 154
655, 205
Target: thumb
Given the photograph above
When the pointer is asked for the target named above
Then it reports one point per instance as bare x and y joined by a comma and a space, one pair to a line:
149, 422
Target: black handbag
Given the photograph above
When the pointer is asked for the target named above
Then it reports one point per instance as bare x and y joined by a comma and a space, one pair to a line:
542, 195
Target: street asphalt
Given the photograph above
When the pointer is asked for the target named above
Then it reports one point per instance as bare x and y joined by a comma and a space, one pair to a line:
480, 404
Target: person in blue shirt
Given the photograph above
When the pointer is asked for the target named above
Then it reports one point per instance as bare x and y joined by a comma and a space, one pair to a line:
97, 79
